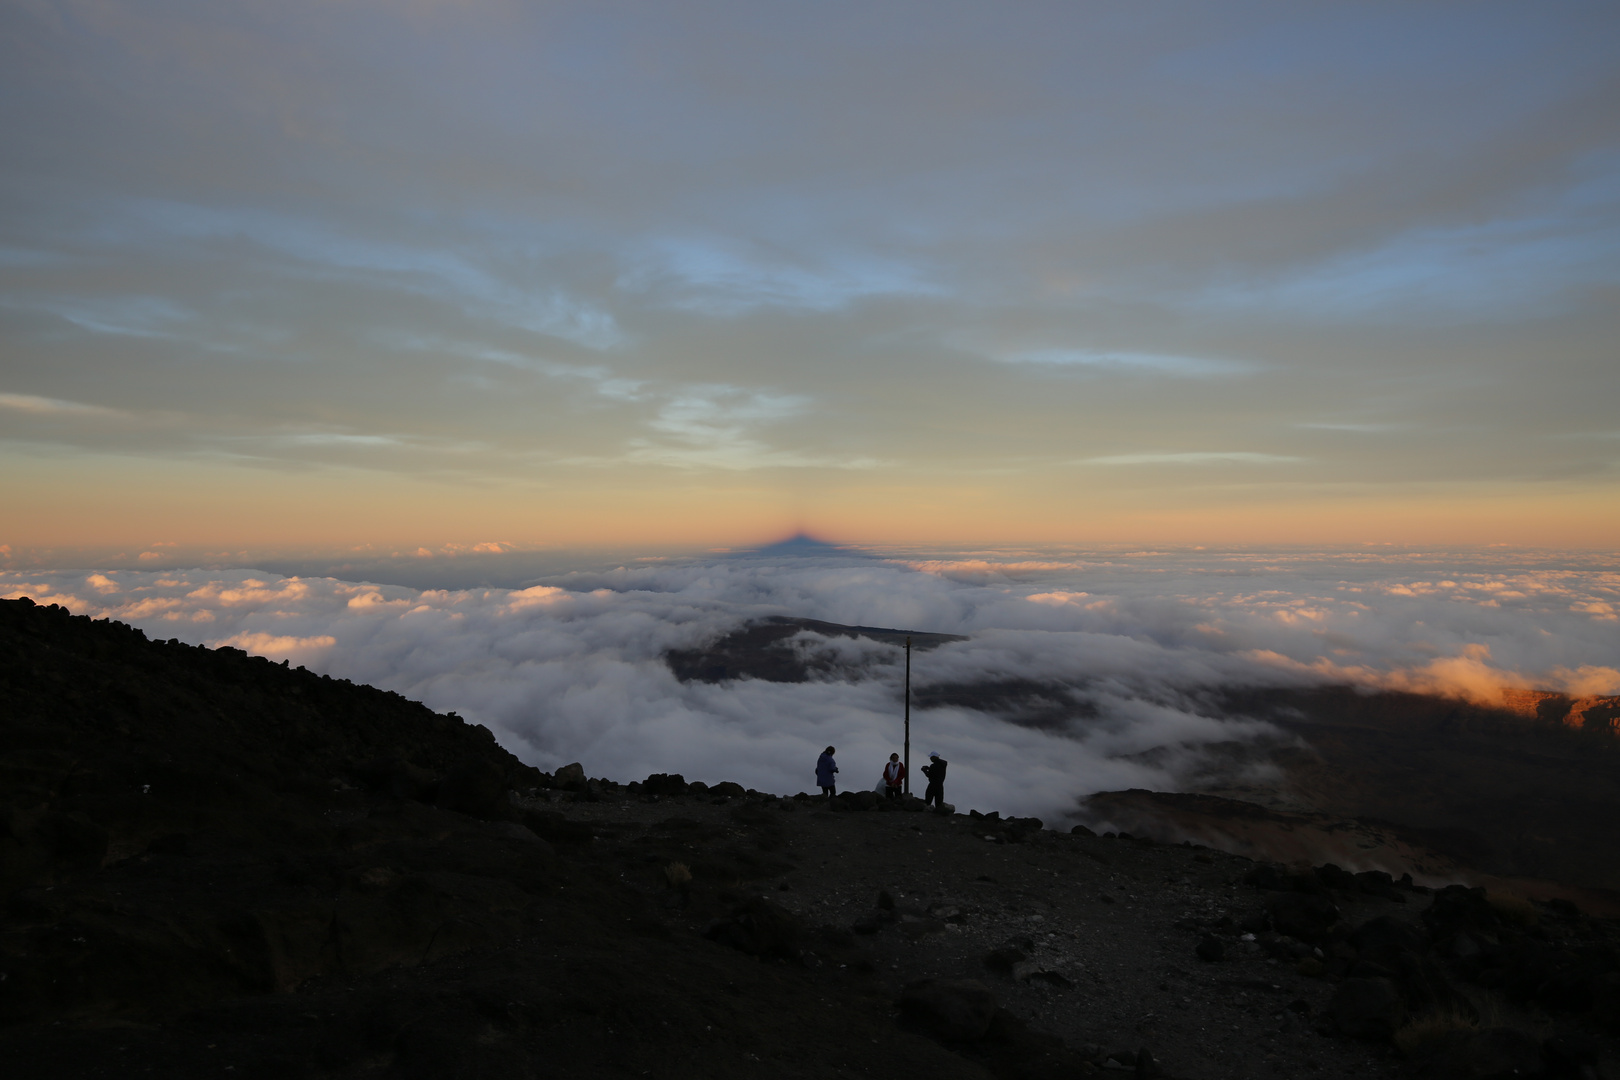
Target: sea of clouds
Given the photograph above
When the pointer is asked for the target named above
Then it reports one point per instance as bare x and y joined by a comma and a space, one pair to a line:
572, 668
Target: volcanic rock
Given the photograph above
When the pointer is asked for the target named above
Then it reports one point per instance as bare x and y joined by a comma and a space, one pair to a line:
951, 1010
1302, 915
759, 927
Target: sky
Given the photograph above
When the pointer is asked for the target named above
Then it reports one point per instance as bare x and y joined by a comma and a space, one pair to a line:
1133, 648
423, 276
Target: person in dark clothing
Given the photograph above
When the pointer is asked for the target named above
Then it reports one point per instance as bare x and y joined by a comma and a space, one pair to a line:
935, 771
826, 773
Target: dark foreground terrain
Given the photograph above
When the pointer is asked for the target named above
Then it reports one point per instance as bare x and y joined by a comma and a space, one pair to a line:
212, 865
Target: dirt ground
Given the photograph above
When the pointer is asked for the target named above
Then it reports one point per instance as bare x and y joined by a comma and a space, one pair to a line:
1101, 914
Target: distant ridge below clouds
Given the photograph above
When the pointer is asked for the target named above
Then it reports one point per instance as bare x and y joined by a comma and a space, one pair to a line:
767, 650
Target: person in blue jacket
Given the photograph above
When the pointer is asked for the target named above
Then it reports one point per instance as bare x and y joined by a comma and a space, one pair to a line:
826, 770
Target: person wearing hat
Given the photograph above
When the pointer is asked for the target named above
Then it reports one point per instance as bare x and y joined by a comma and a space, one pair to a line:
935, 771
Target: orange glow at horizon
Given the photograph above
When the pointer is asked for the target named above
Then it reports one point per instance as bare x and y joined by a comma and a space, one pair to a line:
122, 504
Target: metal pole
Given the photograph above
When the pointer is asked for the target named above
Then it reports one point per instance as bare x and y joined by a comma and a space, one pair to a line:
908, 715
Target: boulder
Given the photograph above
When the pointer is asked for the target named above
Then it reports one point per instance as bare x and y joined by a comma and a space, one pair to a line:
951, 1010
1033, 971
1336, 878
1458, 907
1427, 991
1306, 916
759, 927
570, 777
729, 789
1019, 828
1269, 876
1379, 883
1005, 959
664, 784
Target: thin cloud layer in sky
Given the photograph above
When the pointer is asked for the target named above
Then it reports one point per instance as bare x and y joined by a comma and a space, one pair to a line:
1134, 645
304, 275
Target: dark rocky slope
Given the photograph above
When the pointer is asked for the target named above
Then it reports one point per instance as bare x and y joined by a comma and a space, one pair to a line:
214, 865
1511, 792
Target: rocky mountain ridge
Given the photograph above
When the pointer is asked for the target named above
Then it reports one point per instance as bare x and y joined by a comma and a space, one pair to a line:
212, 864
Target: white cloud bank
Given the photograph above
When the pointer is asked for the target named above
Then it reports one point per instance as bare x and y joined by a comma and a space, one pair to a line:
574, 670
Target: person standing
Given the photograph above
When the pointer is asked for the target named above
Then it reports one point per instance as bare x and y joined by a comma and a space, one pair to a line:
894, 776
826, 773
935, 771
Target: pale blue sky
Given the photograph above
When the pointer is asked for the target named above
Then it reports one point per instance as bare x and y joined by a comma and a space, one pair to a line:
852, 253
